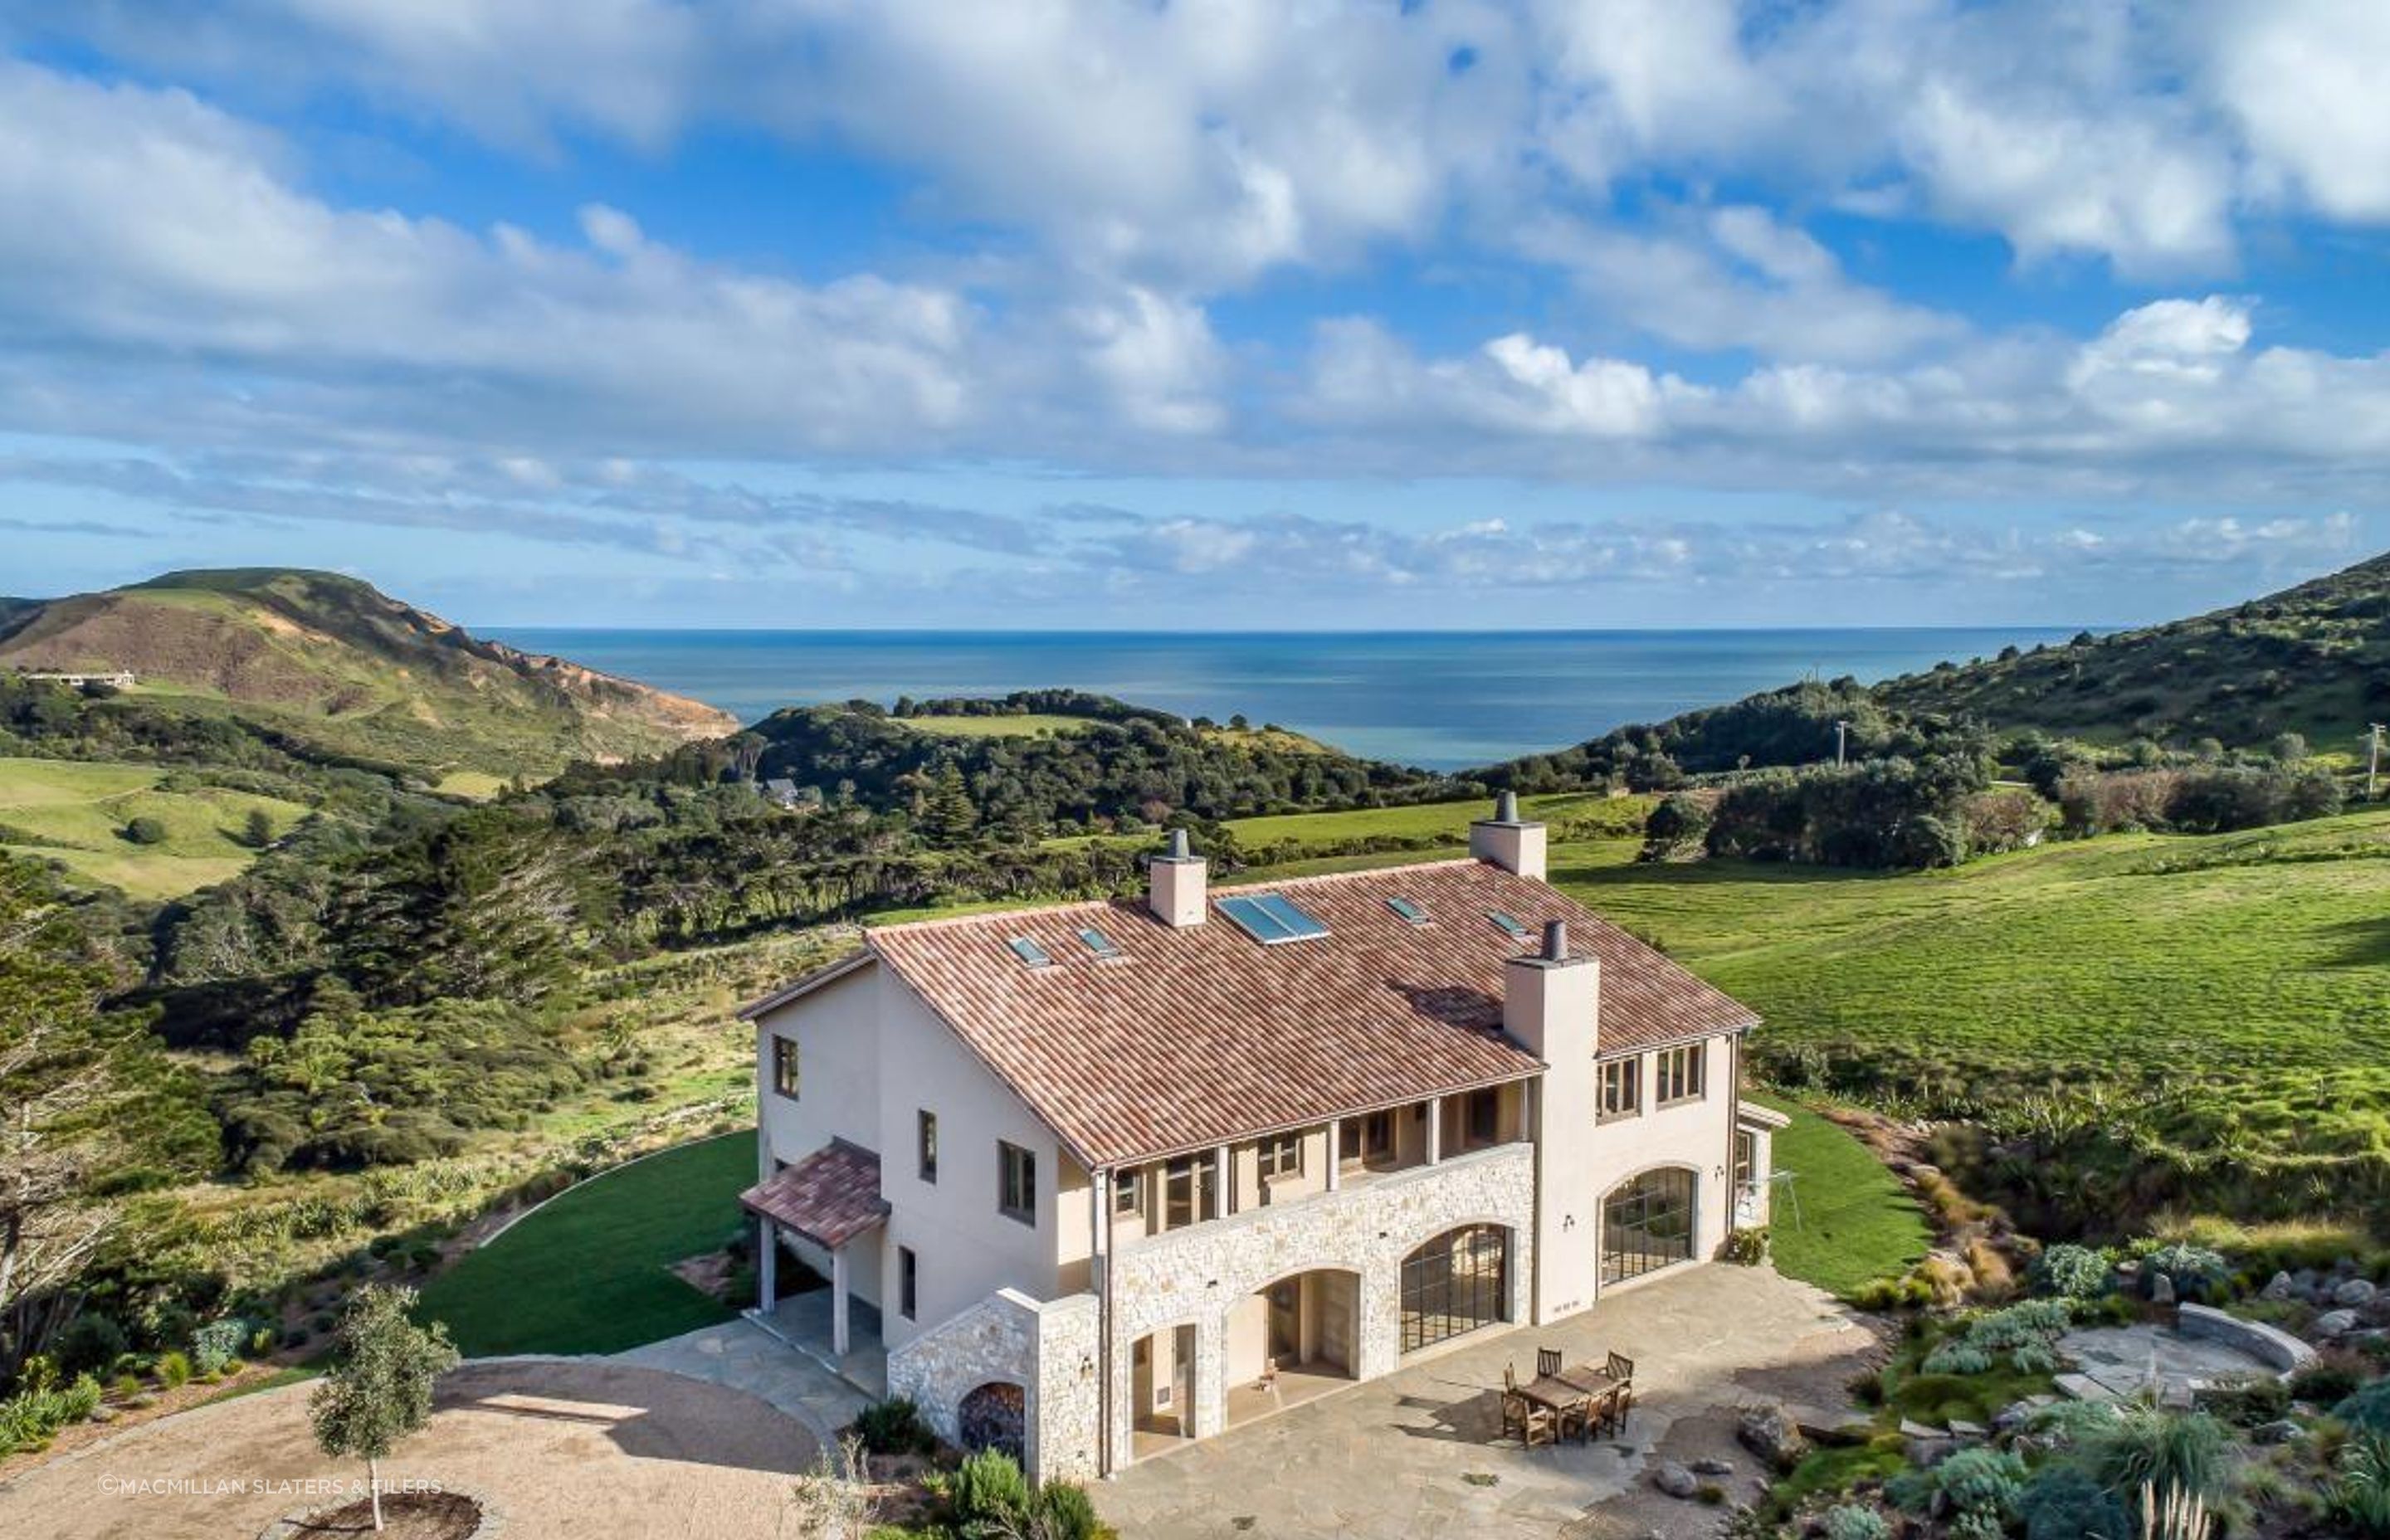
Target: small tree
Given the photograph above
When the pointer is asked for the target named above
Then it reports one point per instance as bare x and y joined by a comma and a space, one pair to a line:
146, 830
380, 1389
257, 831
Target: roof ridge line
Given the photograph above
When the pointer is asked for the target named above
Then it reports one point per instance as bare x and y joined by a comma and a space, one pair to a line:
945, 921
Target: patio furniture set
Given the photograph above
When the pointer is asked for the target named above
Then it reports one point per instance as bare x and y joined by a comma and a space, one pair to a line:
1565, 1401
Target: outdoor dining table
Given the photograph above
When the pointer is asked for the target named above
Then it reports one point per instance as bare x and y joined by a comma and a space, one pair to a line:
1580, 1385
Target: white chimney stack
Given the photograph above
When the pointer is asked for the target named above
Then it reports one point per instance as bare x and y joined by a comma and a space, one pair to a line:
1174, 884
1552, 1006
1507, 842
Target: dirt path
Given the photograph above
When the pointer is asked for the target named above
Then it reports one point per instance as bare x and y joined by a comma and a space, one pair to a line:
586, 1449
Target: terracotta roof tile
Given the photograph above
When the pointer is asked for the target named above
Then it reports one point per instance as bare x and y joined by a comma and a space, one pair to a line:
1197, 1037
830, 1197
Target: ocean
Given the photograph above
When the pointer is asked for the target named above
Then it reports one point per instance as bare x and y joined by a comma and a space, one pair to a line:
1442, 700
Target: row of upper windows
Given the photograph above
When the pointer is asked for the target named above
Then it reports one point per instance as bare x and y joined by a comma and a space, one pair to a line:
1678, 1075
1016, 1168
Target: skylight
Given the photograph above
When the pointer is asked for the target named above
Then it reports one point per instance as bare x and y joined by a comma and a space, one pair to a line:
1030, 952
1097, 941
1270, 918
1510, 925
1410, 911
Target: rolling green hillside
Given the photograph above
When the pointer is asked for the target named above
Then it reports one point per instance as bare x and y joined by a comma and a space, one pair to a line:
2313, 660
333, 662
76, 814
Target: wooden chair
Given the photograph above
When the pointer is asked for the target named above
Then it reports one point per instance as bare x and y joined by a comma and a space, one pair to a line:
1622, 1369
1548, 1362
1613, 1411
1531, 1422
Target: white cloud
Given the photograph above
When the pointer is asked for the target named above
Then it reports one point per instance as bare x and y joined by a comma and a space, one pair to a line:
2305, 81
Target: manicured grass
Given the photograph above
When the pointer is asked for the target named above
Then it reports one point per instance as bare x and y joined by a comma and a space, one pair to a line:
1028, 724
1843, 1220
591, 1271
75, 811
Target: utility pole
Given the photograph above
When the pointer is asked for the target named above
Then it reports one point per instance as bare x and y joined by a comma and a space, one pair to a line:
2373, 756
1842, 743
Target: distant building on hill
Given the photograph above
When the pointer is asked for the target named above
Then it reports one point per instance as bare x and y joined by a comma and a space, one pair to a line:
121, 679
780, 791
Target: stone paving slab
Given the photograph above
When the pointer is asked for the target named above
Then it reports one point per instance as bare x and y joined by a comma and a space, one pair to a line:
1390, 1457
2125, 1361
746, 1357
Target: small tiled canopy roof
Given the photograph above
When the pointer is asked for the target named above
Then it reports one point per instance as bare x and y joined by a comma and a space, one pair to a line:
830, 1197
1198, 1036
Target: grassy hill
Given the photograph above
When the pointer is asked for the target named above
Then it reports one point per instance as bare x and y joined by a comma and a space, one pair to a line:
337, 663
2313, 660
76, 813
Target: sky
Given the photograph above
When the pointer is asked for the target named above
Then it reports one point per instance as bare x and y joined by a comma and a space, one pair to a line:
1234, 313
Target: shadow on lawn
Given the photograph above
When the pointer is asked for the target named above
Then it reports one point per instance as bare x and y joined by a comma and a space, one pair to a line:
2364, 943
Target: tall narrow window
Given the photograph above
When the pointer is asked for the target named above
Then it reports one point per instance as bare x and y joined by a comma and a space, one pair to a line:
1481, 1116
1128, 1191
1016, 1193
1621, 1088
1678, 1076
785, 1078
1189, 1194
909, 1299
927, 1136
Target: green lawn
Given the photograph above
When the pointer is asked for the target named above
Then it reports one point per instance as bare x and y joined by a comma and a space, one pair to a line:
74, 812
1843, 1220
1027, 725
591, 1271
1429, 820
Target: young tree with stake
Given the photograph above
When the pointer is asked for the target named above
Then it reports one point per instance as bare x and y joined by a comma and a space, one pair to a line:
380, 1389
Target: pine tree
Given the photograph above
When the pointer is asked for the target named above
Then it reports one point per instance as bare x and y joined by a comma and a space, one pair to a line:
950, 816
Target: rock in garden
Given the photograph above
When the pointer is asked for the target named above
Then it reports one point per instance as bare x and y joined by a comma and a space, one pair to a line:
1713, 1465
1675, 1479
1927, 1453
2013, 1415
2280, 1288
2355, 1292
2335, 1323
1966, 1429
2161, 1289
2281, 1431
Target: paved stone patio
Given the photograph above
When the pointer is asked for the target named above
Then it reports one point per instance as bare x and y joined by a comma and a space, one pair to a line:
1395, 1457
744, 1357
2118, 1362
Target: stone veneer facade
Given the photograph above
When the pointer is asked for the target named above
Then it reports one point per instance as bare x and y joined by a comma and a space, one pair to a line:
1197, 1276
1049, 1351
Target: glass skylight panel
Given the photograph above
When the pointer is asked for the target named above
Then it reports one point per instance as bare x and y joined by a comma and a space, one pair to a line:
1508, 925
1269, 919
1097, 941
1407, 910
1030, 952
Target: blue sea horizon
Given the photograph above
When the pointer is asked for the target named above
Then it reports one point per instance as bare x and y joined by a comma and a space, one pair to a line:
1440, 699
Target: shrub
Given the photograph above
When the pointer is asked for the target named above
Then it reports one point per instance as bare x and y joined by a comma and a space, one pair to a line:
1747, 1247
895, 1426
1849, 1521
2167, 1452
2075, 1272
2360, 1493
2367, 1408
81, 1398
261, 1342
988, 1493
2062, 1503
1981, 1480
2020, 1334
2193, 1270
214, 1344
146, 830
1065, 1512
2333, 1375
2248, 1401
174, 1369
93, 1341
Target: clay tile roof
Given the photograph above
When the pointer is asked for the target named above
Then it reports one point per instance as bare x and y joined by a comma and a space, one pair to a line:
1198, 1036
830, 1197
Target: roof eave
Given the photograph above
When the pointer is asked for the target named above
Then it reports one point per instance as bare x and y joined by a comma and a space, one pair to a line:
861, 957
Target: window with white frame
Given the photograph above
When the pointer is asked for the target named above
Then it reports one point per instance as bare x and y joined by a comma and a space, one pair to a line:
785, 1076
1016, 1193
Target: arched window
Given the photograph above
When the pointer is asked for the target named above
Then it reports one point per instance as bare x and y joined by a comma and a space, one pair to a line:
1647, 1223
1455, 1283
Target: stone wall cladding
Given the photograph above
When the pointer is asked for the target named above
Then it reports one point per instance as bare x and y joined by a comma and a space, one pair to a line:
1197, 1276
1049, 1351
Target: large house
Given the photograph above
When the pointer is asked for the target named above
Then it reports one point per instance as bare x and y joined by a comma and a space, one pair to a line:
1113, 1174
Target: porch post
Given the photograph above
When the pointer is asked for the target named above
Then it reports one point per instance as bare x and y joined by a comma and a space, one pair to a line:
1223, 1200
1335, 1153
1434, 1129
767, 1264
838, 1301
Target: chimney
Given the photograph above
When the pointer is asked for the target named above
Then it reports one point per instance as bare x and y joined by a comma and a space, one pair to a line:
1552, 1006
1505, 840
1174, 884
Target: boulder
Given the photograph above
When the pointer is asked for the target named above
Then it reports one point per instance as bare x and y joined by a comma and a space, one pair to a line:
2161, 1289
1675, 1479
2281, 1288
2281, 1431
1771, 1432
2355, 1292
2013, 1415
2335, 1323
1966, 1429
1713, 1465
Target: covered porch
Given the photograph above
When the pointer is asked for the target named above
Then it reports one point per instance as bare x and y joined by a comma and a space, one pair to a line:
829, 1202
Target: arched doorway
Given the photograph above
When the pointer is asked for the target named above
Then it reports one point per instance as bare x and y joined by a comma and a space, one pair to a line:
1457, 1282
995, 1416
1647, 1223
1290, 1341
